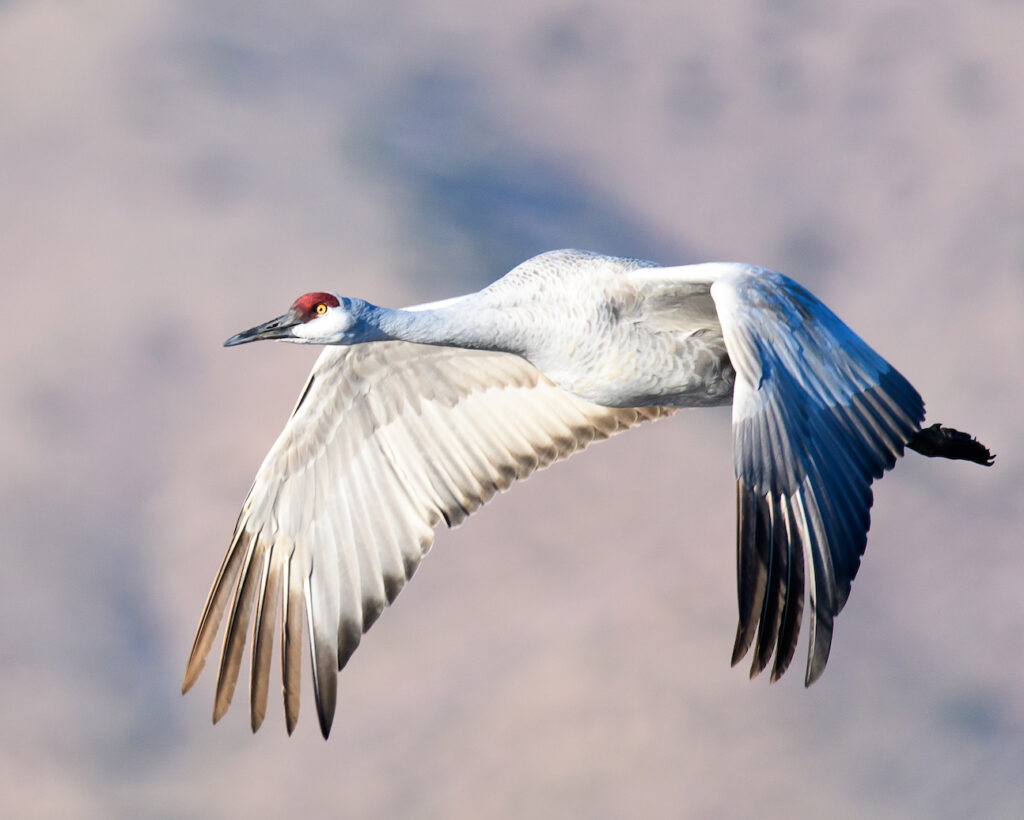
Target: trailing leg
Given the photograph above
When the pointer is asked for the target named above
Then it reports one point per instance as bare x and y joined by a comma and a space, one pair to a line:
945, 442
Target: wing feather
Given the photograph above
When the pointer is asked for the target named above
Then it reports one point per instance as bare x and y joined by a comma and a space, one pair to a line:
817, 416
291, 633
789, 628
217, 601
238, 623
322, 651
268, 599
386, 440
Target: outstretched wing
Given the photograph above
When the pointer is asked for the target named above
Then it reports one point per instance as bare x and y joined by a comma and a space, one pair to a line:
387, 440
817, 415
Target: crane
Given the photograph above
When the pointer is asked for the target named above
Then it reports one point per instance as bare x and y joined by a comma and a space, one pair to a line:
416, 416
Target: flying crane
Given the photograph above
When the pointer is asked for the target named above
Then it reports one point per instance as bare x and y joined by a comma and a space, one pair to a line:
412, 417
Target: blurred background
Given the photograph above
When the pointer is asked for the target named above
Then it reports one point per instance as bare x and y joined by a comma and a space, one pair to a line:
174, 172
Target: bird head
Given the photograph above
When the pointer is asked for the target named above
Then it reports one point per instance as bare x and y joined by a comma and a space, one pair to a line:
314, 318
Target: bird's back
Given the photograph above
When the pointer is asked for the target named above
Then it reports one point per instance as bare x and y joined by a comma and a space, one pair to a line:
601, 329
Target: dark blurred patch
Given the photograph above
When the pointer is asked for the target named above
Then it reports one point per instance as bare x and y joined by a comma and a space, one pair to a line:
167, 347
793, 16
868, 90
236, 69
83, 581
784, 83
251, 55
970, 88
867, 99
977, 716
810, 248
478, 202
576, 38
137, 668
123, 659
695, 95
52, 412
145, 99
215, 179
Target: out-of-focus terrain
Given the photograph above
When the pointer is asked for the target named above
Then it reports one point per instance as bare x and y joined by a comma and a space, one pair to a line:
171, 173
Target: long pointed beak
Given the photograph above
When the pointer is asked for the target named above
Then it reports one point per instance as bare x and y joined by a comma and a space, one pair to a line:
279, 328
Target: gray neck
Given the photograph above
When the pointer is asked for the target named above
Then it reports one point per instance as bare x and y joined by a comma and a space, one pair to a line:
466, 322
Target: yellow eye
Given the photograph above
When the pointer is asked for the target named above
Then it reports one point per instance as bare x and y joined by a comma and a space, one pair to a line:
321, 309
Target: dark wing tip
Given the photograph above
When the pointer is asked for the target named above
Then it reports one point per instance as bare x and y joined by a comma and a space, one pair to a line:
741, 644
325, 723
821, 645
751, 566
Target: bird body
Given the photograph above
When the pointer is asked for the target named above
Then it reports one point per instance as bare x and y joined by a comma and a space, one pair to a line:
414, 416
595, 325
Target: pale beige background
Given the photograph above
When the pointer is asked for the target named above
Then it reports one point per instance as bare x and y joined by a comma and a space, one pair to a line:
173, 172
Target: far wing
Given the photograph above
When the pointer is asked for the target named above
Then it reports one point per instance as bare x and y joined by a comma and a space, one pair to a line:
387, 440
817, 415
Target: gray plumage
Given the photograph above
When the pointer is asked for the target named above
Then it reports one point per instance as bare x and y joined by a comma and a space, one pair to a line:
421, 415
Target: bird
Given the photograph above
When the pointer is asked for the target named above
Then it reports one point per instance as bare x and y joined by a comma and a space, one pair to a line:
416, 416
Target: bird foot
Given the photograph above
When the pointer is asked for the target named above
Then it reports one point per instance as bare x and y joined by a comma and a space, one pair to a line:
945, 442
